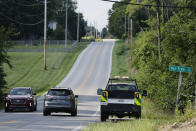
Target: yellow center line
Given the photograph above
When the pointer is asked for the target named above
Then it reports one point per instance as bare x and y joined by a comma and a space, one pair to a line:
9, 122
90, 71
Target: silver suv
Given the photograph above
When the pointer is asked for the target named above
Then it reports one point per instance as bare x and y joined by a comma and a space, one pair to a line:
60, 100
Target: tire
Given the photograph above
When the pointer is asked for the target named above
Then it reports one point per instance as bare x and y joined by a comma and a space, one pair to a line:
74, 113
138, 115
46, 113
35, 108
31, 109
104, 116
7, 110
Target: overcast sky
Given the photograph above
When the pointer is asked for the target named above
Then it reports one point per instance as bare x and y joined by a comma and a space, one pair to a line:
95, 11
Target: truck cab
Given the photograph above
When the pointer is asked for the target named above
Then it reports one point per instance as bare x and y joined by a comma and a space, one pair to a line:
121, 99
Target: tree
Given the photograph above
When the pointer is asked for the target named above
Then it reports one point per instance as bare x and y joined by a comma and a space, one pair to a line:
72, 20
5, 35
27, 17
116, 20
104, 32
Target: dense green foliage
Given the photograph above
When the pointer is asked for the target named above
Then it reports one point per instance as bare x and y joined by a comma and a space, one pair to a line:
119, 16
5, 34
27, 17
178, 47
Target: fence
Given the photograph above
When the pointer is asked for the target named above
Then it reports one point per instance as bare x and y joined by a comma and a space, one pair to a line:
37, 46
41, 42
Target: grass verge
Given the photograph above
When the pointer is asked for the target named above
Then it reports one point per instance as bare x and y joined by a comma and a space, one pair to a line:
152, 116
119, 59
28, 69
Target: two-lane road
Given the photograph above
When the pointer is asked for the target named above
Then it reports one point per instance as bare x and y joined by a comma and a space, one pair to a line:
90, 72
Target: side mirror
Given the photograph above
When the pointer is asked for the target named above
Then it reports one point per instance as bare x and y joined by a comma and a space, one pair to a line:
34, 94
99, 91
144, 93
76, 96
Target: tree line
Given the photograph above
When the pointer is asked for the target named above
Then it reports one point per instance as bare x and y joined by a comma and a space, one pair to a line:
165, 34
24, 20
27, 18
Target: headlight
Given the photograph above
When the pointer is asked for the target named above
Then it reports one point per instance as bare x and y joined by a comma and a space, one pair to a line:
30, 98
8, 99
46, 103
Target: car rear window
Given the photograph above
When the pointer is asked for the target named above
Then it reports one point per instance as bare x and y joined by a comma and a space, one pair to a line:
59, 92
122, 87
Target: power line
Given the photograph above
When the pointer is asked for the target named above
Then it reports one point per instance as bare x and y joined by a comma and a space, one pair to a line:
33, 24
29, 5
149, 5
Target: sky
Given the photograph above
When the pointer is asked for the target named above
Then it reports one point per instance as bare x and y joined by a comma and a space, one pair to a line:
95, 12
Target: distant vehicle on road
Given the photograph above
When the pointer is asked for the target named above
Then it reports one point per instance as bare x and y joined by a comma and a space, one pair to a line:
121, 99
60, 100
21, 98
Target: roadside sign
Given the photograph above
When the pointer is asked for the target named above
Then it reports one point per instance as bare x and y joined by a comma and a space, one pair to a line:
180, 68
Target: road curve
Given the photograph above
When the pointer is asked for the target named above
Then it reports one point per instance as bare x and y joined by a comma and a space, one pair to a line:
90, 72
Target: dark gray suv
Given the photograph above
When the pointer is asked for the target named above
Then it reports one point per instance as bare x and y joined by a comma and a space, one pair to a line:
60, 100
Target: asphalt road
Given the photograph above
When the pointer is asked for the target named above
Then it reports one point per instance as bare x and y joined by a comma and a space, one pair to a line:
90, 72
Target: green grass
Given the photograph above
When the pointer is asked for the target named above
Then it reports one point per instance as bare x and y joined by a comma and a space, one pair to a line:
28, 69
132, 125
119, 59
152, 118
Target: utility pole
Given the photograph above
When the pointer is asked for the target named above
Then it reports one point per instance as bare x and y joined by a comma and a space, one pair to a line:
158, 28
125, 24
96, 34
45, 33
94, 30
78, 27
128, 33
131, 32
66, 12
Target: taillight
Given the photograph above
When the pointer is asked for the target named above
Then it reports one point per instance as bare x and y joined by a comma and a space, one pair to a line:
48, 97
70, 97
137, 95
104, 94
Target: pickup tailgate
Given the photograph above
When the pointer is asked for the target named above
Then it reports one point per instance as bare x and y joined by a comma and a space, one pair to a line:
116, 94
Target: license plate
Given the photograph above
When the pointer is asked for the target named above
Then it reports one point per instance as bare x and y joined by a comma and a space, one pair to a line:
121, 100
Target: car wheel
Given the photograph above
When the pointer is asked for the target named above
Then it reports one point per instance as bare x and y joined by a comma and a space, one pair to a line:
31, 109
74, 113
104, 116
35, 108
7, 110
46, 113
138, 115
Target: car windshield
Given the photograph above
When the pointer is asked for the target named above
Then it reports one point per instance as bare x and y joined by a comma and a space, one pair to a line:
122, 87
20, 92
59, 92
